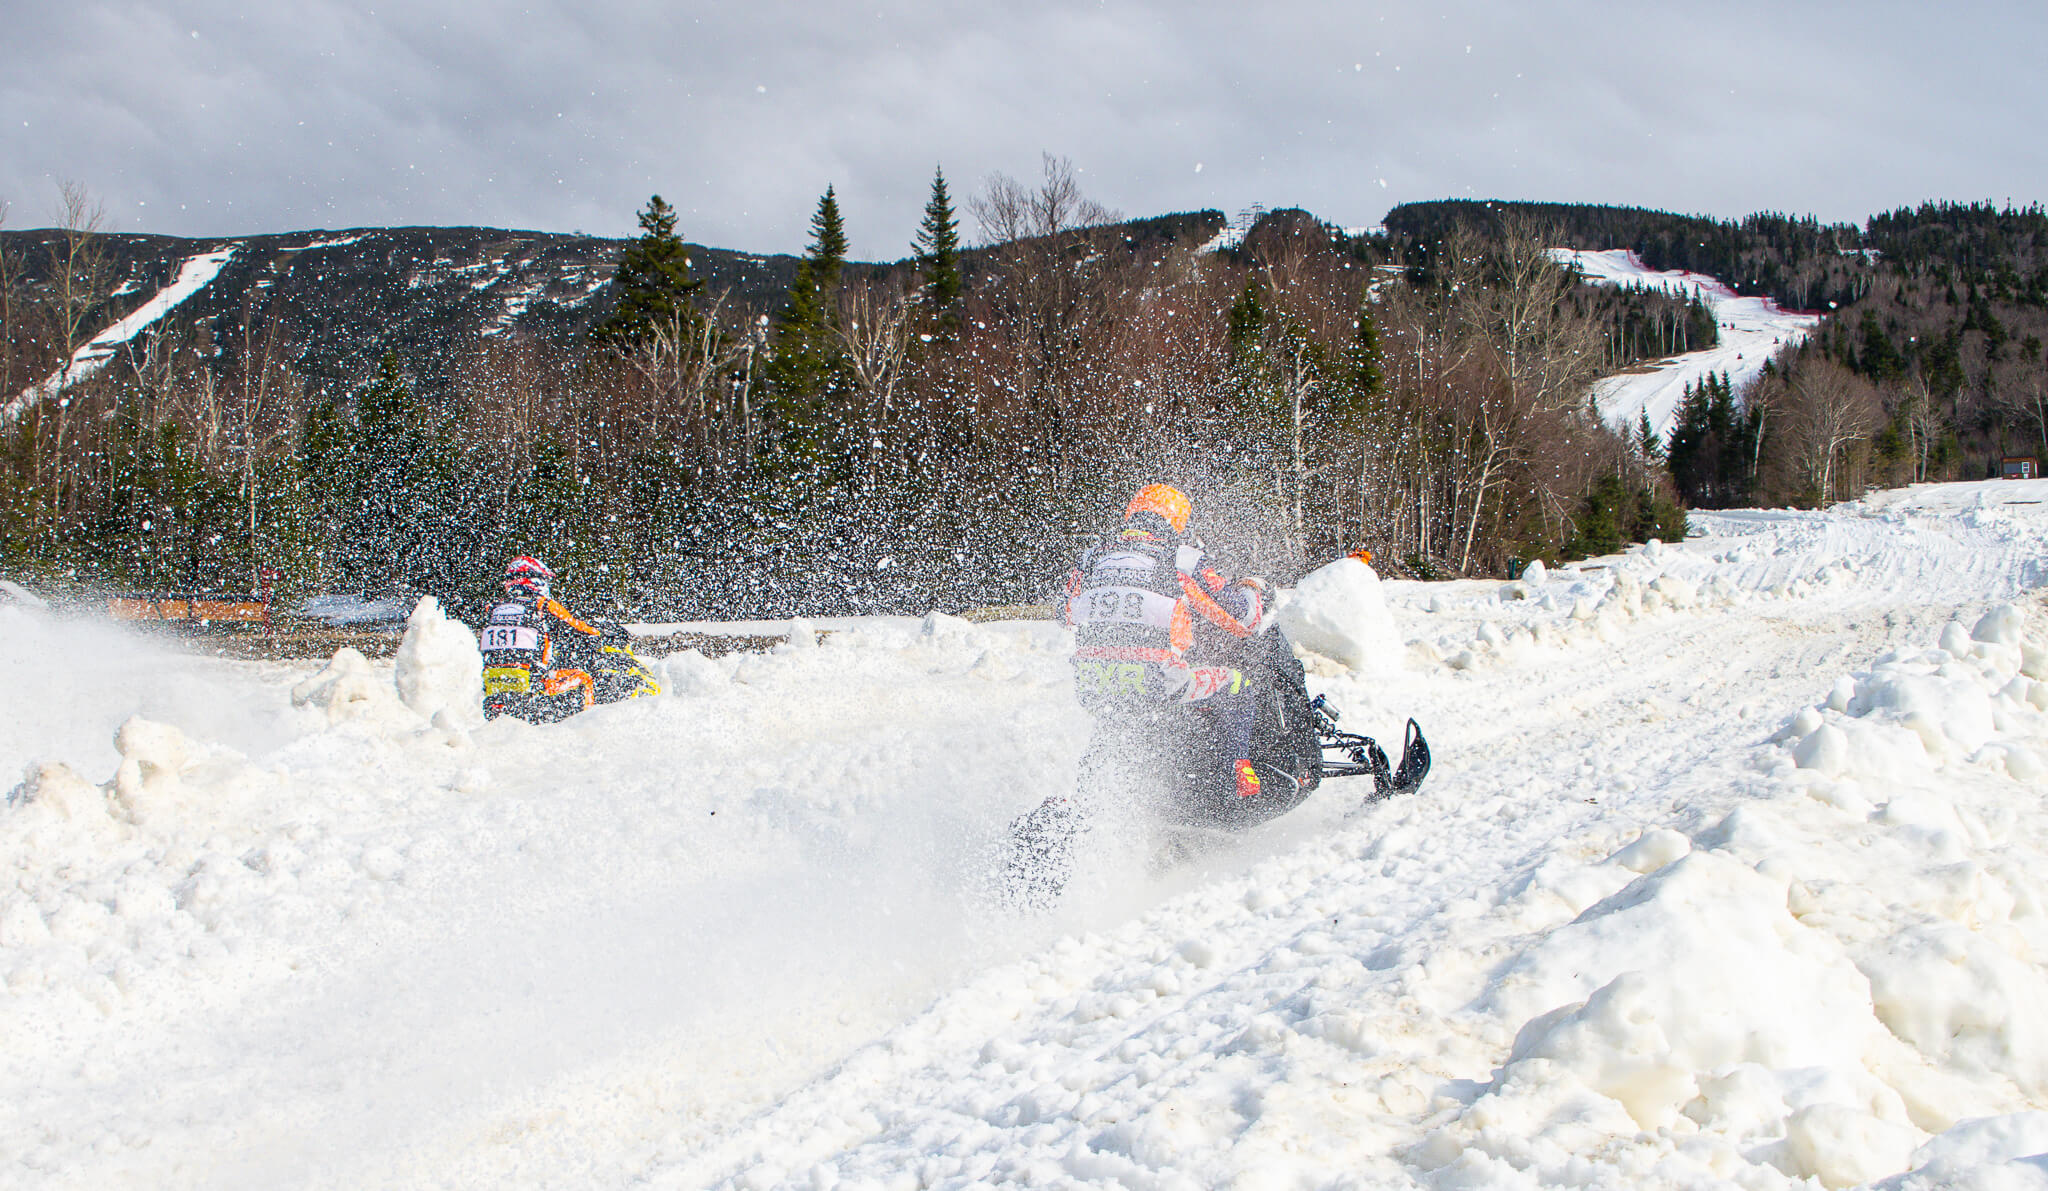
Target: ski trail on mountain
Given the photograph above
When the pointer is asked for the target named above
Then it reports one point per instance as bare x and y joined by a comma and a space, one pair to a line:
194, 273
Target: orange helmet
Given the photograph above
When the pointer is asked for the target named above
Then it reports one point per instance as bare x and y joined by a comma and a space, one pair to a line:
1167, 503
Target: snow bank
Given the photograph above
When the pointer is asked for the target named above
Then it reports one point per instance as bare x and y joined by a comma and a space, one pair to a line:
438, 665
1916, 709
77, 681
1775, 991
1731, 872
1339, 612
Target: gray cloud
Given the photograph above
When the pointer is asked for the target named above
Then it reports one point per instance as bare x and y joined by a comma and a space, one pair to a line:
212, 117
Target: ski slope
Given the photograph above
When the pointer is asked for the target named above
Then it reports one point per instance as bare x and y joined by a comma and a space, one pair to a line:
1752, 331
194, 273
1731, 872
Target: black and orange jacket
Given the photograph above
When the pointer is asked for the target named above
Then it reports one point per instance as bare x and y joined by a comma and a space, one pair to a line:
1140, 598
563, 636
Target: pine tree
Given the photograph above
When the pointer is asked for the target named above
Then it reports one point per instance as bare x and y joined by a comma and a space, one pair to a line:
807, 372
1246, 324
1364, 362
828, 242
1701, 331
938, 251
393, 492
1601, 524
653, 279
1879, 359
1692, 446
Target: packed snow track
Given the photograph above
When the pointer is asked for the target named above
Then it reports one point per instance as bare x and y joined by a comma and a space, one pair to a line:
1732, 871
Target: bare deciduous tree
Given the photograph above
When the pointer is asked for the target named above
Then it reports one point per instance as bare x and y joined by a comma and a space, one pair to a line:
78, 277
1543, 355
874, 325
1051, 293
1829, 412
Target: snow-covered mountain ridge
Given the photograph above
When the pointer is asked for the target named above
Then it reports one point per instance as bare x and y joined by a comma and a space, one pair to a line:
345, 298
1729, 874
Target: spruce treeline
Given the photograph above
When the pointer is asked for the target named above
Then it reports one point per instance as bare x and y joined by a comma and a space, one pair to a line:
939, 431
1712, 447
942, 430
1801, 262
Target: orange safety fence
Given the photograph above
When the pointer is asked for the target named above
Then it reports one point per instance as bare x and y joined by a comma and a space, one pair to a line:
174, 608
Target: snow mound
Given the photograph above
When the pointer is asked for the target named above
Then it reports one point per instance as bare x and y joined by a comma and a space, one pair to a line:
1340, 612
15, 593
1918, 709
438, 666
1991, 1153
1648, 985
350, 689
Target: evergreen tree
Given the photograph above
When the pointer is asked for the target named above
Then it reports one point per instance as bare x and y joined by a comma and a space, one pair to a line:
1245, 326
938, 251
1701, 331
1601, 520
1879, 359
653, 279
1734, 431
1364, 363
807, 372
1611, 515
395, 500
1689, 444
546, 500
828, 242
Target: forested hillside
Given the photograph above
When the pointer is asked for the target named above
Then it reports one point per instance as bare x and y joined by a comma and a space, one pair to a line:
692, 432
1930, 365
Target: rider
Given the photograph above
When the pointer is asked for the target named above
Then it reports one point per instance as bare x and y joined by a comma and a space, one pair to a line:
1153, 620
531, 622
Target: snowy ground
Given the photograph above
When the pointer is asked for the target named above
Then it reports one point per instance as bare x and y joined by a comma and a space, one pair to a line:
1731, 873
1752, 331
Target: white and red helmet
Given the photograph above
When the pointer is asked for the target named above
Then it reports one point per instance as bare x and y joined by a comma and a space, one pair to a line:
529, 574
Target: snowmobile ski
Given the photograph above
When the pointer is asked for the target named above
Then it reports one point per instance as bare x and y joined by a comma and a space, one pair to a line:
1347, 754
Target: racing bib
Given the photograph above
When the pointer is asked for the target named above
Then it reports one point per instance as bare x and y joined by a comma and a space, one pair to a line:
507, 637
1121, 605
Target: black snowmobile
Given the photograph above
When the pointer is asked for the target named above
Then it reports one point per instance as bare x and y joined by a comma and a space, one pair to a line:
1165, 762
529, 677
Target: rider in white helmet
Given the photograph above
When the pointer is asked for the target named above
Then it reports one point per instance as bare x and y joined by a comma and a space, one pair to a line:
529, 627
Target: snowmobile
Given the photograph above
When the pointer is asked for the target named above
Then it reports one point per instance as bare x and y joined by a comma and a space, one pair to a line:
527, 677
1165, 763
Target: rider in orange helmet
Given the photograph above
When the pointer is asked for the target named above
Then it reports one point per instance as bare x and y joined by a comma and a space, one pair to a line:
1154, 620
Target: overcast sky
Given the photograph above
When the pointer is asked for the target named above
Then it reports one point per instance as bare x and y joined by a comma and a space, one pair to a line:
226, 117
